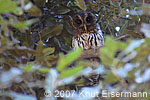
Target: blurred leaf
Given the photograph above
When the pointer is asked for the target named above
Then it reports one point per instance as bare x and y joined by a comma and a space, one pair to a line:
92, 4
123, 12
110, 78
81, 4
34, 11
20, 51
68, 27
107, 53
3, 22
48, 51
28, 67
62, 10
110, 22
44, 70
124, 28
112, 45
70, 72
39, 55
40, 3
64, 61
7, 6
106, 59
133, 34
51, 31
22, 25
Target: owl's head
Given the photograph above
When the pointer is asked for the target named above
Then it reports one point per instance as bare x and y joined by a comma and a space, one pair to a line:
84, 22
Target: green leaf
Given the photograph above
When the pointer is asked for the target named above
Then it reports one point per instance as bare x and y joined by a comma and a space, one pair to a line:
3, 22
62, 10
70, 72
22, 25
7, 6
44, 70
40, 3
110, 22
28, 68
107, 53
110, 78
124, 28
34, 11
110, 45
51, 31
123, 12
48, 51
81, 4
39, 55
64, 61
107, 61
133, 34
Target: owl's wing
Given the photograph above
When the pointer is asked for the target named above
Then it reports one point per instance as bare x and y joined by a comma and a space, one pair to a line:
74, 43
100, 35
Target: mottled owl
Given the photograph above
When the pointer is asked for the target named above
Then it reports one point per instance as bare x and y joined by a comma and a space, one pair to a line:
87, 35
87, 32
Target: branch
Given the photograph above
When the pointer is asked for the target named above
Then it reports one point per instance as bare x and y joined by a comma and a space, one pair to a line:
122, 37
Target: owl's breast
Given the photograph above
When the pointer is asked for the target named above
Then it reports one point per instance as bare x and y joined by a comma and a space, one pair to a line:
88, 41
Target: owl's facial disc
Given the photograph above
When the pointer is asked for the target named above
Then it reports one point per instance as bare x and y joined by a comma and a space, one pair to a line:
84, 23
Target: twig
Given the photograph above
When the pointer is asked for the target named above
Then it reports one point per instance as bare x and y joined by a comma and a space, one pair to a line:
122, 37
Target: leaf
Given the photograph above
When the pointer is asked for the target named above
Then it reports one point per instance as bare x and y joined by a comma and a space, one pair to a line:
3, 22
70, 72
39, 55
44, 70
20, 51
107, 53
48, 51
51, 31
22, 25
34, 11
124, 28
133, 34
7, 6
107, 61
28, 68
40, 3
68, 27
64, 61
110, 45
62, 10
110, 78
81, 4
110, 22
123, 12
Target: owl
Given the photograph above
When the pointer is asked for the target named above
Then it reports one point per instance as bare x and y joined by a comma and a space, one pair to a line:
87, 32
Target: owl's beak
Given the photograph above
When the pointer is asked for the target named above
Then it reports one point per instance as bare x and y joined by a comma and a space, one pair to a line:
85, 28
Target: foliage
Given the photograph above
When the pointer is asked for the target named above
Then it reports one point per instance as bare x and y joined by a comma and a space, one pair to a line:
37, 60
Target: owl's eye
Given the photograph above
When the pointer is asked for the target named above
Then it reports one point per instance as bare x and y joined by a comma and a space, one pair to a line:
78, 21
88, 19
